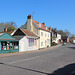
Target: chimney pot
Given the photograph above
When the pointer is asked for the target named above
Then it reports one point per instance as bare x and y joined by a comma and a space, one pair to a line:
5, 29
50, 28
43, 24
29, 17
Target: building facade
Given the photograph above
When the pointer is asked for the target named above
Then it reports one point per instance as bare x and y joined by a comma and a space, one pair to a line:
8, 43
55, 37
65, 39
40, 30
27, 40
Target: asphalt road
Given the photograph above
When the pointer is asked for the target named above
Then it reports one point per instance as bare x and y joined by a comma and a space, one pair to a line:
56, 61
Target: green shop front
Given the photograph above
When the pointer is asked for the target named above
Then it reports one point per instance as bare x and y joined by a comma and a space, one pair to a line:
8, 44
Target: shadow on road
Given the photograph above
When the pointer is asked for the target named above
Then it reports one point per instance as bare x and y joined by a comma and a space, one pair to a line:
72, 47
24, 68
73, 43
66, 70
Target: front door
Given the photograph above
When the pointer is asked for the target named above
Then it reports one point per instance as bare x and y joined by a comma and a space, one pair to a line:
45, 43
22, 46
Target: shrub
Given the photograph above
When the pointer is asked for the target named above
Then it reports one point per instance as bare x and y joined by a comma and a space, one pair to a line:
47, 45
53, 44
10, 52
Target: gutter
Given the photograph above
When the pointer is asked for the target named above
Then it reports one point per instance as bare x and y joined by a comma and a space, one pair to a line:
32, 37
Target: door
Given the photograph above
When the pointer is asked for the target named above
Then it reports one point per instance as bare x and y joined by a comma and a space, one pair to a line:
45, 43
22, 46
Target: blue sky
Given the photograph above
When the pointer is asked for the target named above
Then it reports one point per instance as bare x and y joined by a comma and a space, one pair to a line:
58, 14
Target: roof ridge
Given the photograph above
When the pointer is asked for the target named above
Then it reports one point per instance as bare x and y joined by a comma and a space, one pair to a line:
22, 30
43, 27
29, 31
36, 21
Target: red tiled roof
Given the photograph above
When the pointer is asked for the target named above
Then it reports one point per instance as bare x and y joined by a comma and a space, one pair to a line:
53, 31
7, 32
73, 38
28, 32
43, 27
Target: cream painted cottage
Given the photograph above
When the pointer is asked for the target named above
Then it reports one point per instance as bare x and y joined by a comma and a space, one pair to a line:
40, 30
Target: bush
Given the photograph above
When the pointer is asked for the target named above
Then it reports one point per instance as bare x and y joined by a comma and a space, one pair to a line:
47, 45
10, 52
53, 44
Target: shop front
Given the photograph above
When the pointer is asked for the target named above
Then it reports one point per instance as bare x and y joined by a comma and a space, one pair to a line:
8, 44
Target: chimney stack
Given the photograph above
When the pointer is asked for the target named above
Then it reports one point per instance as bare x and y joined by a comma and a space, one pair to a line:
29, 17
50, 28
43, 24
5, 29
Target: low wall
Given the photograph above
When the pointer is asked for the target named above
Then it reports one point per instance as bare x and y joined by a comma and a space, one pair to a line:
8, 51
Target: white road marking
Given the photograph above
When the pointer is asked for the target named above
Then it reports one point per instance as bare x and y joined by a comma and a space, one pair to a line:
23, 60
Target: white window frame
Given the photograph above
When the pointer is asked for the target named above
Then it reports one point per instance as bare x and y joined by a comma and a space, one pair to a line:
48, 35
45, 34
41, 33
41, 43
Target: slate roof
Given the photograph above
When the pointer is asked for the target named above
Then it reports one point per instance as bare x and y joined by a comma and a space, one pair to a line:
1, 34
43, 27
65, 37
7, 39
18, 37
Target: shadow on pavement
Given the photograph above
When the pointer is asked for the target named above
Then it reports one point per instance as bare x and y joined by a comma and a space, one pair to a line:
66, 70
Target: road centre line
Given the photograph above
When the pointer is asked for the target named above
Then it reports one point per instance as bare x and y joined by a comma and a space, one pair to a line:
23, 60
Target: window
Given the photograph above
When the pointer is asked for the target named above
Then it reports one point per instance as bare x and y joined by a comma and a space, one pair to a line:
9, 45
48, 35
3, 45
15, 45
41, 43
41, 33
31, 42
48, 41
45, 34
53, 34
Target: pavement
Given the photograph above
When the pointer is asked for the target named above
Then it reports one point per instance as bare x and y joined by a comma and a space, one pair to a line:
56, 61
20, 53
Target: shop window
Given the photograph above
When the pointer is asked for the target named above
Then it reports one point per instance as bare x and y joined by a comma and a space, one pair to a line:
9, 45
31, 42
3, 45
15, 45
